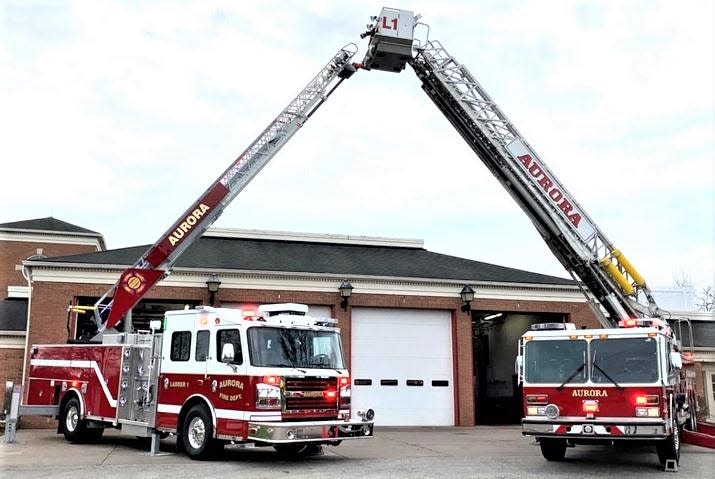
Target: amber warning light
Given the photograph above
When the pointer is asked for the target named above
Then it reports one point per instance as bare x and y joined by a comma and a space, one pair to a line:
590, 406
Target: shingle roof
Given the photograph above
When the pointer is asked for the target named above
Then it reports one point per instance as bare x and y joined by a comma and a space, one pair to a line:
325, 258
46, 224
13, 314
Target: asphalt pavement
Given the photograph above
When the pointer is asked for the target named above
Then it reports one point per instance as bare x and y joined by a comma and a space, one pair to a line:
445, 452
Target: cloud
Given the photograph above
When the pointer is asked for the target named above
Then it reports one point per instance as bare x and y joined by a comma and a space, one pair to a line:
116, 115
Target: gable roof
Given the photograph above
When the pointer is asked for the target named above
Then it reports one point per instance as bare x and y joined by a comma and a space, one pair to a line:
46, 224
319, 257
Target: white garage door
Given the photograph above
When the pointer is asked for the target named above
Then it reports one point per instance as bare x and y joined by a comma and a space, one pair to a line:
402, 366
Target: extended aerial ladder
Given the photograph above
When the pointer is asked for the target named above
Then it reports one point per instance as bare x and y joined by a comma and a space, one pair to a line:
602, 272
157, 261
599, 268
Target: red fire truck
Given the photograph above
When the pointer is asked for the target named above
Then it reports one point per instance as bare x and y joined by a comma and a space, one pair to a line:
601, 386
272, 377
624, 381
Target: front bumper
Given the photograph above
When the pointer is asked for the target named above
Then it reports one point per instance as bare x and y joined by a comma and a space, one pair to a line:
313, 431
611, 428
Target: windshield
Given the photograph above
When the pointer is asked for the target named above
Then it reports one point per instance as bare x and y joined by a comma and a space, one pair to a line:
297, 348
555, 361
627, 360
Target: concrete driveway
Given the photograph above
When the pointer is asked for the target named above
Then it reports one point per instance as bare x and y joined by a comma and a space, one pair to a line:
499, 451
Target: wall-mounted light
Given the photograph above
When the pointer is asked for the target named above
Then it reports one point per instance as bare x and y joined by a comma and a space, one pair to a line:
467, 295
213, 284
346, 290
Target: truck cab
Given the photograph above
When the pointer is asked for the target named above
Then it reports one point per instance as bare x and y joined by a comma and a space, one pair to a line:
271, 375
588, 386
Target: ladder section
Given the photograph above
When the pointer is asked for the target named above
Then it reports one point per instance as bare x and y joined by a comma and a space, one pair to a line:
160, 257
570, 233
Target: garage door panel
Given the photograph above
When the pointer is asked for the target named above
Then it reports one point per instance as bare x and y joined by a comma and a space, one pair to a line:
409, 368
397, 346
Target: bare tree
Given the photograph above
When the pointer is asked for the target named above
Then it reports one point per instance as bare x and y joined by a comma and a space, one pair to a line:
706, 299
682, 280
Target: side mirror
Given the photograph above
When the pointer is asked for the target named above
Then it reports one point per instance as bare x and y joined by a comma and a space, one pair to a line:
227, 353
675, 360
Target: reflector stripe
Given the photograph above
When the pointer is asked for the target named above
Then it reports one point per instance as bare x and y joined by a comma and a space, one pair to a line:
168, 408
226, 413
64, 363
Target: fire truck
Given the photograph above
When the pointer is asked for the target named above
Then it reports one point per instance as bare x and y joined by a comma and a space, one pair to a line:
602, 386
271, 377
274, 376
624, 381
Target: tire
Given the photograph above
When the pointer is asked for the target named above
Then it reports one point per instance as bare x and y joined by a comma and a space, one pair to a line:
197, 434
75, 428
692, 423
669, 448
553, 449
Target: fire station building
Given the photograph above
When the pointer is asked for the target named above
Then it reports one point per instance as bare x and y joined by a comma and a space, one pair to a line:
419, 352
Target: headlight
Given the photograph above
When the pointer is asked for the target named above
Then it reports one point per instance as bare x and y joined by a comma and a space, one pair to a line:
268, 397
366, 414
647, 412
552, 411
345, 393
535, 410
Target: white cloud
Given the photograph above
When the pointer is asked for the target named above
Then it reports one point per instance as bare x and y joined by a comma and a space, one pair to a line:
117, 115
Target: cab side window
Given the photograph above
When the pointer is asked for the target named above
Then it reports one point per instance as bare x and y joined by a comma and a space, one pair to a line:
180, 345
202, 345
232, 336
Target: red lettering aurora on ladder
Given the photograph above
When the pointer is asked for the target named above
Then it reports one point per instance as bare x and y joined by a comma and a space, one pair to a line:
550, 188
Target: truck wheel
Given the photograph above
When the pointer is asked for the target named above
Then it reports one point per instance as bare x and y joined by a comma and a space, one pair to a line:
669, 448
553, 449
197, 434
74, 428
692, 423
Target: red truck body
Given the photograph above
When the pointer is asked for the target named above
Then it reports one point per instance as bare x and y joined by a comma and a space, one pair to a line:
274, 379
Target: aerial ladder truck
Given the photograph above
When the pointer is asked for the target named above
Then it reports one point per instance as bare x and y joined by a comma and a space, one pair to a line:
623, 381
274, 376
617, 293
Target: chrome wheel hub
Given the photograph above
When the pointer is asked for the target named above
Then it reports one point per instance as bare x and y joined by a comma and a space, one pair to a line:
197, 433
72, 419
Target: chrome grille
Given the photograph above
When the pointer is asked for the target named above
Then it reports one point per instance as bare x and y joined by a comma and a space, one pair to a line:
308, 393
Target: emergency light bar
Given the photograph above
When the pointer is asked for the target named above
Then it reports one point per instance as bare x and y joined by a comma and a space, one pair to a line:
284, 308
642, 323
552, 326
293, 320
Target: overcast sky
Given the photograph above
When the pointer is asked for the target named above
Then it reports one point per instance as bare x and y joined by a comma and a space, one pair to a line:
115, 116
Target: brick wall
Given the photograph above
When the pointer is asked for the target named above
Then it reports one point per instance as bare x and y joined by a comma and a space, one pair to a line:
12, 253
10, 366
700, 394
